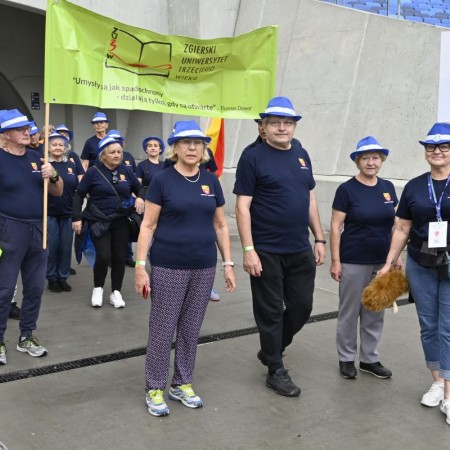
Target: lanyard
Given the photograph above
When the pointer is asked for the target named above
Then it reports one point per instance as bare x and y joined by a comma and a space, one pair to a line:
432, 195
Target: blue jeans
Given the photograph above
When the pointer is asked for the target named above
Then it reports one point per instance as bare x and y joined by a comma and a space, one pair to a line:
60, 239
432, 299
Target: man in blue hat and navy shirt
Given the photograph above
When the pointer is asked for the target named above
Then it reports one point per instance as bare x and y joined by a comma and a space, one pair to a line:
275, 208
22, 175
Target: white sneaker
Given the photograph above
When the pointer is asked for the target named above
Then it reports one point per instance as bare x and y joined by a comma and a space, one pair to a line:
116, 300
435, 395
445, 408
97, 297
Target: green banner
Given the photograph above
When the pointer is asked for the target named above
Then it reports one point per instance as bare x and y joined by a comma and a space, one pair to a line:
94, 60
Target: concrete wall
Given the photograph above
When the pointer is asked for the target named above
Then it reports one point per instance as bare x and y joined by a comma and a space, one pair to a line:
348, 73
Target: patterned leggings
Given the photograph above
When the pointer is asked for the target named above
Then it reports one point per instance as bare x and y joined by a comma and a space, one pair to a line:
179, 299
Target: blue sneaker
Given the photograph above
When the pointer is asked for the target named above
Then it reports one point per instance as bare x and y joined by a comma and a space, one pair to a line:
186, 395
214, 296
155, 403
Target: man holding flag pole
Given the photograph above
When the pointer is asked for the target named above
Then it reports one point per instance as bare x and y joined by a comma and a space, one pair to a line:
23, 189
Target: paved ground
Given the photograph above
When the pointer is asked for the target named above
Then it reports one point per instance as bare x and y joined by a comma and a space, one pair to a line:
101, 406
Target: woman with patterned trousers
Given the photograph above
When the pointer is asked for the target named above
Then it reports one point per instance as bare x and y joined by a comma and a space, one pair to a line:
184, 217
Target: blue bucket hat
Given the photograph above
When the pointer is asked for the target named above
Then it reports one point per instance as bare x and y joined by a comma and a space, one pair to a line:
185, 129
99, 117
56, 135
439, 134
280, 106
63, 127
34, 129
368, 144
117, 136
13, 118
153, 138
105, 142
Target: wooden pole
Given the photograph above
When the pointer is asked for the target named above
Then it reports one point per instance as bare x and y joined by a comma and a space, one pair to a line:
44, 213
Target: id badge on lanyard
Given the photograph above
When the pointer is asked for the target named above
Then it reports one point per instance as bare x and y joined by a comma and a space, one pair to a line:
437, 231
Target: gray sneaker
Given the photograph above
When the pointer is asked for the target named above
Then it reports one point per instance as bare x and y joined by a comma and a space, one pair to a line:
31, 346
2, 353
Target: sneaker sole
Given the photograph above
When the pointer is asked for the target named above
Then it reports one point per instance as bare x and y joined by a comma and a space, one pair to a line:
284, 394
24, 350
158, 413
347, 377
185, 403
117, 307
384, 377
431, 405
2, 363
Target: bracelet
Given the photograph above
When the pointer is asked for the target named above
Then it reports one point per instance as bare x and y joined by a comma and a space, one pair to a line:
55, 178
228, 263
320, 241
248, 248
140, 263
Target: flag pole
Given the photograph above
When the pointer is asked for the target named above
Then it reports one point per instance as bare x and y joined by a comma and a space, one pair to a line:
44, 213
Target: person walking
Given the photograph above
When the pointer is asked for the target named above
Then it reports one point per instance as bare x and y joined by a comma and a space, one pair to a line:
184, 220
275, 207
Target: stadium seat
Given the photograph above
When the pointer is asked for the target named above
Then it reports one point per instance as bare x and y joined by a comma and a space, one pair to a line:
432, 21
414, 18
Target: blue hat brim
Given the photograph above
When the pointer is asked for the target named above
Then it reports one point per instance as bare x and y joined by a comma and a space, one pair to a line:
444, 141
264, 115
172, 140
24, 123
353, 155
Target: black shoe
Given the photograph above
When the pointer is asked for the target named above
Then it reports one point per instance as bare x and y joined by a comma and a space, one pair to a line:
348, 370
262, 358
14, 311
73, 271
130, 263
376, 369
65, 286
281, 383
54, 286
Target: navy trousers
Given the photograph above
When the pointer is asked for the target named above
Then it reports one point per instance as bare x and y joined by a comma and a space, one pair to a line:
21, 244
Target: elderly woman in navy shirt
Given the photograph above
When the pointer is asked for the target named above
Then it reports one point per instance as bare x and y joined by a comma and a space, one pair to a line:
60, 233
361, 227
424, 213
110, 186
184, 217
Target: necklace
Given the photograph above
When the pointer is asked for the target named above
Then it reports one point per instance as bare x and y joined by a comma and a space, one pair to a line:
186, 178
192, 181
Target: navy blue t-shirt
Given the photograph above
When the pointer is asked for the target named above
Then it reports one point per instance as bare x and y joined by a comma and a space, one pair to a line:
90, 150
146, 170
280, 182
101, 194
21, 185
62, 206
370, 215
415, 205
185, 237
129, 161
75, 159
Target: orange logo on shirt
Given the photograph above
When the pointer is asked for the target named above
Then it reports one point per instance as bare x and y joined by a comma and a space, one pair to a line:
122, 177
69, 169
34, 166
302, 162
72, 160
127, 163
387, 196
205, 189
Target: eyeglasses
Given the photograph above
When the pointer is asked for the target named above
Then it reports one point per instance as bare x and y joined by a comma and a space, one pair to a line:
444, 148
22, 129
115, 177
278, 123
189, 142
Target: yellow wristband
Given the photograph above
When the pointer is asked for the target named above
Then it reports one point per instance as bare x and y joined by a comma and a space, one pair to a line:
140, 263
248, 248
